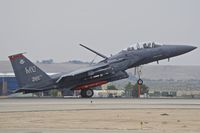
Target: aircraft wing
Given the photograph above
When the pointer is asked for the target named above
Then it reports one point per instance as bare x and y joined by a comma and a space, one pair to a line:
85, 72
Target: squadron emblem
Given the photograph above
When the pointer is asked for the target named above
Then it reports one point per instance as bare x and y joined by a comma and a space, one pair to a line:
21, 61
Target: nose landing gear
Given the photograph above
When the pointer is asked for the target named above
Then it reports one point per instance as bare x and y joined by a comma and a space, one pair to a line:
140, 81
138, 70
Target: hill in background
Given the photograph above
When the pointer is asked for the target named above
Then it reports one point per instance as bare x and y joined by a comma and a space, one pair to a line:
157, 77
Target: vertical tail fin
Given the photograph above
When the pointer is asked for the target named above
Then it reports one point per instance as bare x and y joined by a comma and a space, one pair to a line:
28, 74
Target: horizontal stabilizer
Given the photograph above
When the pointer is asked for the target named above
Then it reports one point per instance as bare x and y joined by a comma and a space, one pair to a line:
28, 90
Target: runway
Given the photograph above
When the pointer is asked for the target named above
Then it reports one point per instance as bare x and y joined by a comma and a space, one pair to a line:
99, 115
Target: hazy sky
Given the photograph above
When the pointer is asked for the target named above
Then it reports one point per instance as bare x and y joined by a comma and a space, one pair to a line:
53, 28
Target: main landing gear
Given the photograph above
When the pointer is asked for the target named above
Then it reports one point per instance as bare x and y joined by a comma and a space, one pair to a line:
87, 93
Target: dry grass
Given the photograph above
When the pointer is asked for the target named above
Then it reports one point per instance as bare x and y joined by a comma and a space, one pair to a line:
178, 120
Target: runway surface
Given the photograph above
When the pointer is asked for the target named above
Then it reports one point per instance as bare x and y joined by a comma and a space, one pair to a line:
99, 115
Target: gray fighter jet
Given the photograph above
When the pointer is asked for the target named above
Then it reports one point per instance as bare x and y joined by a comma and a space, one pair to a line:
32, 79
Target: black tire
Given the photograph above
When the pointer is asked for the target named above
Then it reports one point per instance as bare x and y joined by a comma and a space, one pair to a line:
87, 93
140, 82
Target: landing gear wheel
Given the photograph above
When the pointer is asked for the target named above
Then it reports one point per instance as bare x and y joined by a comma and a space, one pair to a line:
140, 82
87, 93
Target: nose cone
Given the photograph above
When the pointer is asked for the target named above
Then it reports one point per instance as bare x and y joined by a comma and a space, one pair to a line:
185, 48
175, 50
182, 49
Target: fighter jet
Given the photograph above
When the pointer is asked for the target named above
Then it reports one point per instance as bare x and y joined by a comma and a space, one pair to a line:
32, 79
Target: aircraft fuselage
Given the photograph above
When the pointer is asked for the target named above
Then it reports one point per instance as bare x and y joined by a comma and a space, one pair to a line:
126, 59
32, 79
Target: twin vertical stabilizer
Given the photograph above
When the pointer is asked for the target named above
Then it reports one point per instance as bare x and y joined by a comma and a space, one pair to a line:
28, 74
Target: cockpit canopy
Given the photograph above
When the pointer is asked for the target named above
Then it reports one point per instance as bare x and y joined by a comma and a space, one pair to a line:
139, 46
